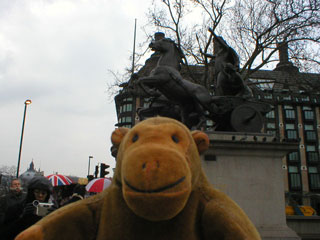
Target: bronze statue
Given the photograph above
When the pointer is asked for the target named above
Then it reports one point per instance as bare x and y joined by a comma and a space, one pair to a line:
227, 79
166, 79
159, 106
232, 108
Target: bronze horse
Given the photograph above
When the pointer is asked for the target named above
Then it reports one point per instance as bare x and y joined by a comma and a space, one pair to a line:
193, 99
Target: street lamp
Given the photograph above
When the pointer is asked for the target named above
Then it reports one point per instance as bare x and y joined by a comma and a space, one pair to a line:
26, 103
89, 165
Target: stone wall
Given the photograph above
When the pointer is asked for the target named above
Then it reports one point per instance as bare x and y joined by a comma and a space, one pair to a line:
248, 168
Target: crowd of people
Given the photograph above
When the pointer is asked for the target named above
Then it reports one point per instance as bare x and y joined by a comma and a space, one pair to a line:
19, 210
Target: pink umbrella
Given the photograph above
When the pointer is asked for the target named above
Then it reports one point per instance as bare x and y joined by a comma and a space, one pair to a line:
59, 180
98, 184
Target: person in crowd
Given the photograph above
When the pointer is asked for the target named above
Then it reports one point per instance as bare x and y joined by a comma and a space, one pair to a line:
12, 202
78, 194
39, 189
66, 193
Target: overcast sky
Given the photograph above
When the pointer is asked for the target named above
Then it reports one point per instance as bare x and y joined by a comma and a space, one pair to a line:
57, 53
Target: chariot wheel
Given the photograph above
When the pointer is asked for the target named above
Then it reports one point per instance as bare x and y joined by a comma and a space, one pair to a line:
246, 118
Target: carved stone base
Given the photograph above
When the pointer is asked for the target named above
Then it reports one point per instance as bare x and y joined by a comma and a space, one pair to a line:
277, 233
248, 168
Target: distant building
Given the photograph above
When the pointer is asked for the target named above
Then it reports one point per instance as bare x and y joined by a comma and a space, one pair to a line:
29, 174
295, 117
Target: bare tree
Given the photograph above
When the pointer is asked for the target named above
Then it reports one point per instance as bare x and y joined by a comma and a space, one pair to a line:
8, 170
121, 78
187, 22
133, 64
257, 28
254, 28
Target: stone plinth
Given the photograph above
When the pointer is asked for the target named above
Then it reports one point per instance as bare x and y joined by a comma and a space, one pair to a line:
307, 227
248, 168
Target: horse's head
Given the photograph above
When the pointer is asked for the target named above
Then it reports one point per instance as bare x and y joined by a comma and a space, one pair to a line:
166, 45
161, 45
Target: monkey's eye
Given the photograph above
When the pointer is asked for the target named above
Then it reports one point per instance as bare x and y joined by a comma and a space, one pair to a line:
135, 138
175, 138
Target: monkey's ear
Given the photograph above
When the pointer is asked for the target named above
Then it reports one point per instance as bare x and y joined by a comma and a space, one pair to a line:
201, 139
117, 136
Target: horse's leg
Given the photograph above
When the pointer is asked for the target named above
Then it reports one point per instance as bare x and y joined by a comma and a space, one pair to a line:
185, 115
200, 110
143, 83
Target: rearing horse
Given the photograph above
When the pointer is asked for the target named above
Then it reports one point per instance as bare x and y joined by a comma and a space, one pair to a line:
166, 78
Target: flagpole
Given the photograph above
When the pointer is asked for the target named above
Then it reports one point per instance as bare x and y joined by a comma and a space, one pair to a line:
134, 45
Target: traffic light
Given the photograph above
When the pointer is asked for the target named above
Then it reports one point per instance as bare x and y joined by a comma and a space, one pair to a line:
103, 171
96, 172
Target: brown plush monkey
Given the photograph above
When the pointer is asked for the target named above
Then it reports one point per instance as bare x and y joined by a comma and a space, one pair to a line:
159, 191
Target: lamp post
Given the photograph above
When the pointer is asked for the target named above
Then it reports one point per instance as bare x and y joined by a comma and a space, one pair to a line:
89, 165
26, 103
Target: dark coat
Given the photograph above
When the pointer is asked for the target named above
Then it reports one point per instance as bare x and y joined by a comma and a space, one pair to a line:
11, 206
25, 220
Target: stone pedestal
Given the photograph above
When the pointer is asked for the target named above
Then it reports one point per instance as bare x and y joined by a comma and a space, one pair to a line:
248, 168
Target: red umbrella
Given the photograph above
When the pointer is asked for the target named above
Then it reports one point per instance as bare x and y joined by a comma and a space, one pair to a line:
98, 184
59, 180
